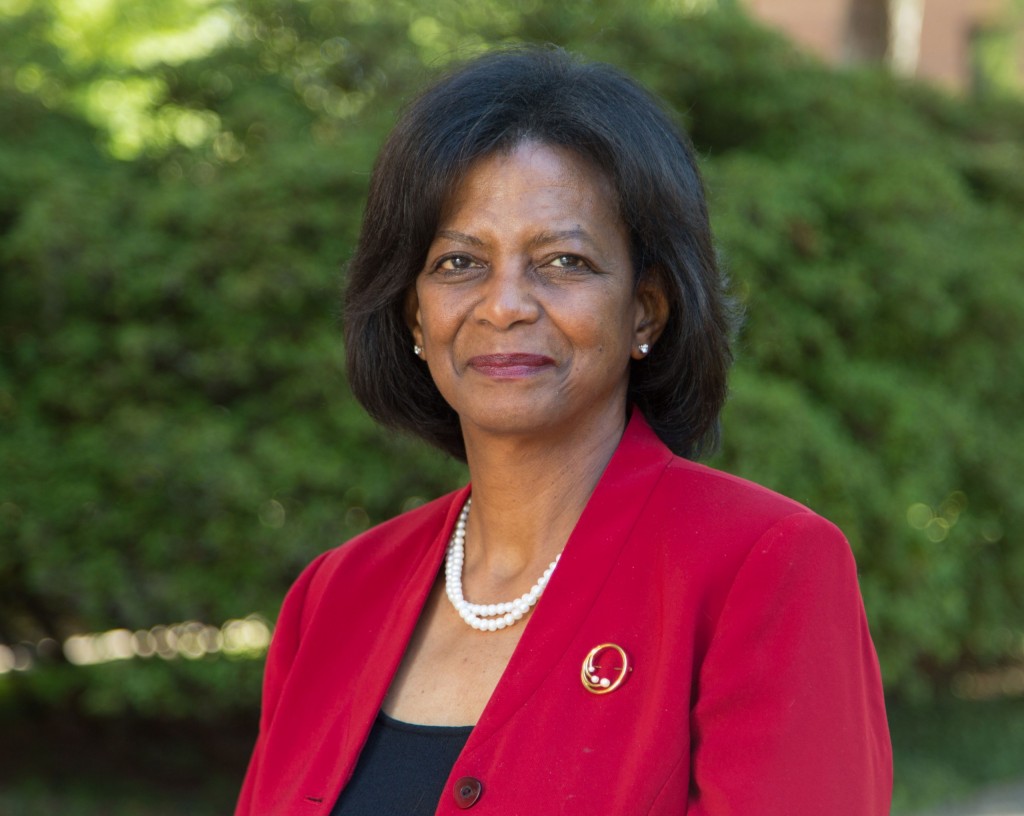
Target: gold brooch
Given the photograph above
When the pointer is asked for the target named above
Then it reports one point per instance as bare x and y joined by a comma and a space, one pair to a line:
599, 678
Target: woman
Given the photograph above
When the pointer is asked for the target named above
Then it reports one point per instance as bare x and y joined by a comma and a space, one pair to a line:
535, 291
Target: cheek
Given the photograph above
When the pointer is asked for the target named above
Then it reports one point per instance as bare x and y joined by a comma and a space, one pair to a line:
611, 328
443, 324
603, 342
432, 317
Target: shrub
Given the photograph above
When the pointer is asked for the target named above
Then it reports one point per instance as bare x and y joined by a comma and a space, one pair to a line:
177, 438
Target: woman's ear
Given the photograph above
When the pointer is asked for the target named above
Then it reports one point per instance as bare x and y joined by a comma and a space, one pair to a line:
651, 314
412, 316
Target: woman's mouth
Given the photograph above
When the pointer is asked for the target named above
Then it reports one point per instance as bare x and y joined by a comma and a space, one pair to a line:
510, 366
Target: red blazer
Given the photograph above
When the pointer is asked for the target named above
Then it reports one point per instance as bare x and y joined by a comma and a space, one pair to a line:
755, 688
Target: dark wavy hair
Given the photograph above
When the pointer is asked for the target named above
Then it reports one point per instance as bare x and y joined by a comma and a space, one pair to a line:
491, 104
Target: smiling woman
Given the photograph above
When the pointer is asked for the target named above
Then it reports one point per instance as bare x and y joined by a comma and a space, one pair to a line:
535, 291
527, 311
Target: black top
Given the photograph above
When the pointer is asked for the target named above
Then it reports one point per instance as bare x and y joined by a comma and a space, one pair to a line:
402, 769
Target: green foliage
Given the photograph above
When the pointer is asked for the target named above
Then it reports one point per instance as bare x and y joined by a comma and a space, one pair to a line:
945, 750
175, 432
878, 374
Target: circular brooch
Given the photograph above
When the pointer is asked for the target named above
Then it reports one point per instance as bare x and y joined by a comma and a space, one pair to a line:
605, 668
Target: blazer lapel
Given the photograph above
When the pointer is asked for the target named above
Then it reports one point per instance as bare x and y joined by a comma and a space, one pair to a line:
367, 631
589, 557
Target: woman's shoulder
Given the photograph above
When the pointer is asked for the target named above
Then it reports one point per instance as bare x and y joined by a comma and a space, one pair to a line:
684, 489
719, 535
734, 517
718, 488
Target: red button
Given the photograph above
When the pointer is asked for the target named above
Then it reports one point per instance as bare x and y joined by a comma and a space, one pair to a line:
467, 791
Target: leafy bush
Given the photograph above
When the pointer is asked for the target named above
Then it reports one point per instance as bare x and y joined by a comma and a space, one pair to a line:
177, 437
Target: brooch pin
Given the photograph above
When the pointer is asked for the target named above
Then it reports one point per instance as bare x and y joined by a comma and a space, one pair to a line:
599, 674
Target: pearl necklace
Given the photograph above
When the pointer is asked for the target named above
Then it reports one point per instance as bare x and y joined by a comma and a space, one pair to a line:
485, 617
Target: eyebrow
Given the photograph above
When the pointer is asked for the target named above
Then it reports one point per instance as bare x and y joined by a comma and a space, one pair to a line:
540, 239
461, 237
577, 233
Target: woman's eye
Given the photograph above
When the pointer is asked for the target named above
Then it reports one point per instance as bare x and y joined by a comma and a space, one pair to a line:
570, 262
456, 263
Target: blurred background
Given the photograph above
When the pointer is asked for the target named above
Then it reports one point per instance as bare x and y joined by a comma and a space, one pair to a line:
180, 184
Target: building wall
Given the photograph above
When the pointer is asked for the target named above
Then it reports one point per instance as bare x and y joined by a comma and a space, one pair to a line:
816, 24
946, 38
944, 52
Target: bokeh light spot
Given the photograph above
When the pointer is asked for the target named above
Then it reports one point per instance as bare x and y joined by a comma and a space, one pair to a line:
919, 515
272, 514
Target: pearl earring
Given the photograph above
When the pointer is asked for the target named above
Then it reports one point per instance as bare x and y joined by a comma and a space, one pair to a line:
644, 348
417, 350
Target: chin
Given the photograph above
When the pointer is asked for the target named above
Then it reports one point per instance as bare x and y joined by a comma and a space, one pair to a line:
502, 423
535, 417
509, 416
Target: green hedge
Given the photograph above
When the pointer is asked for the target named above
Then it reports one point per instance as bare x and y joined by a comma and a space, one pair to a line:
176, 436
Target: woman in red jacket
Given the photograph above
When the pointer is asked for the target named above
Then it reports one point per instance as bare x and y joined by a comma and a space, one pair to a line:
596, 622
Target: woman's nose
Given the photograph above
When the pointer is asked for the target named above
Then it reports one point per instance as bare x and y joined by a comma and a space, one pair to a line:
509, 296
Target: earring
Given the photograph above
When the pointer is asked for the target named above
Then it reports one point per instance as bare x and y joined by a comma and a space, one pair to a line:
644, 348
417, 350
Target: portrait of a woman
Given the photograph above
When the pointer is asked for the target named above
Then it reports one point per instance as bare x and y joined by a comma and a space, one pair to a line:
596, 623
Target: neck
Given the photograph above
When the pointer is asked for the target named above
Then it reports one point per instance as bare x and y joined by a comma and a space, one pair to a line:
529, 493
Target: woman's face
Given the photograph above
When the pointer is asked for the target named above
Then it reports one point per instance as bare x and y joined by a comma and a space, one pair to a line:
526, 308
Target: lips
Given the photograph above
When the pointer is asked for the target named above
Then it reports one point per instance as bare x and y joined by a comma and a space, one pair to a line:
510, 365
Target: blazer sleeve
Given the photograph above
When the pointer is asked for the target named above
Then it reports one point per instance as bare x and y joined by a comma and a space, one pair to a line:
283, 646
789, 717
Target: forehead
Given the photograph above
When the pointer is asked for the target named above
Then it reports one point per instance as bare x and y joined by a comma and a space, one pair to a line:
545, 179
